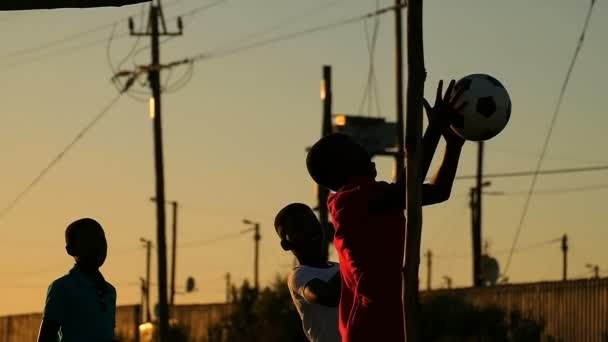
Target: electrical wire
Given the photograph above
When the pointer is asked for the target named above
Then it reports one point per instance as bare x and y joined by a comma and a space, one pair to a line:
284, 37
71, 37
549, 134
15, 59
288, 21
371, 87
104, 111
532, 173
526, 248
560, 191
222, 238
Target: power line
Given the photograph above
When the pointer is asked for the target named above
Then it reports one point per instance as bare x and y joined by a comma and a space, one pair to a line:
215, 240
549, 134
67, 50
61, 154
60, 41
532, 173
526, 248
223, 212
71, 37
371, 87
14, 58
598, 187
286, 22
529, 154
284, 37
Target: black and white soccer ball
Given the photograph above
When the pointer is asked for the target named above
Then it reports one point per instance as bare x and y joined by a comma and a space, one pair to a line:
487, 111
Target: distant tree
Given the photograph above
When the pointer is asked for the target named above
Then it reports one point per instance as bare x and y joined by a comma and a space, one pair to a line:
268, 316
450, 318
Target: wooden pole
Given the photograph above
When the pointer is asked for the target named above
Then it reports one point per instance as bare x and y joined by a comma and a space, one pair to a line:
565, 257
326, 127
429, 269
400, 155
174, 204
477, 236
413, 145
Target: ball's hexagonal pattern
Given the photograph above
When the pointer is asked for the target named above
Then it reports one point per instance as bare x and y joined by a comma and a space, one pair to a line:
486, 106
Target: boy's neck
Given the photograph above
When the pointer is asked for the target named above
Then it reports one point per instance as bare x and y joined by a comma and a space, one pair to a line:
88, 269
319, 263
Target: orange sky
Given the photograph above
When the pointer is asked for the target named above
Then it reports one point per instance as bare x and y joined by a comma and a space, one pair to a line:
235, 136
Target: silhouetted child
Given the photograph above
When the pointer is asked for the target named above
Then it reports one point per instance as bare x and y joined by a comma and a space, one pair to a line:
369, 222
81, 306
315, 284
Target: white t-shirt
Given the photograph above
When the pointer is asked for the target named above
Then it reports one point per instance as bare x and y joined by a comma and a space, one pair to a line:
320, 322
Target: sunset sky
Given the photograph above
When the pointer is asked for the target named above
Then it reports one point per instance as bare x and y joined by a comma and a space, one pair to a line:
235, 136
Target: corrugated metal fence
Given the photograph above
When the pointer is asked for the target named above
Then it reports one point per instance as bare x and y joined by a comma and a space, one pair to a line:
196, 319
24, 328
572, 311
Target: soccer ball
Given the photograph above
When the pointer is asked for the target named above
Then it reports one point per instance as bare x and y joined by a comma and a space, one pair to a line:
487, 111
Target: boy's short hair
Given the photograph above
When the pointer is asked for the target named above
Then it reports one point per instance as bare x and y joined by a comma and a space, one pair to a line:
334, 159
283, 214
81, 227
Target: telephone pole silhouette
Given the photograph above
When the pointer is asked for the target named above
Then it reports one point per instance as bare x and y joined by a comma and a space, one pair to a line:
256, 251
228, 287
565, 257
156, 28
429, 269
147, 244
326, 129
174, 206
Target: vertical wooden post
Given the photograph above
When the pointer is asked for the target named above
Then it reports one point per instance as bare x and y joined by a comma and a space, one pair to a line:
413, 145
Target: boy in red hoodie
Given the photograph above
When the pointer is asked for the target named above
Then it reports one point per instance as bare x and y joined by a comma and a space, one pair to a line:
369, 221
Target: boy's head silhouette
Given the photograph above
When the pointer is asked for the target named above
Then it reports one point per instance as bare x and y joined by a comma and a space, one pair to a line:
86, 242
300, 232
337, 158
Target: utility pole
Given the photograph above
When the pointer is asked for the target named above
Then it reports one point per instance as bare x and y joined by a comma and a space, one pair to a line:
565, 257
595, 269
476, 231
154, 31
429, 269
174, 205
228, 287
256, 238
143, 290
448, 282
256, 252
477, 237
326, 129
400, 155
148, 246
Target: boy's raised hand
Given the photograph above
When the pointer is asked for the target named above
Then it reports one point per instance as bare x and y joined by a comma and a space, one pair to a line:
445, 111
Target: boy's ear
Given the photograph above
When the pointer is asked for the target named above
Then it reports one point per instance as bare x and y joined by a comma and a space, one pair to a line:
70, 250
373, 170
287, 245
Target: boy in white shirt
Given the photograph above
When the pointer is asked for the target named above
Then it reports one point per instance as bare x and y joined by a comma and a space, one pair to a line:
315, 283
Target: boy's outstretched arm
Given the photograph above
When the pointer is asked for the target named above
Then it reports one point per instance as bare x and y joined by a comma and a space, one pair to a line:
324, 293
440, 187
49, 331
439, 119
